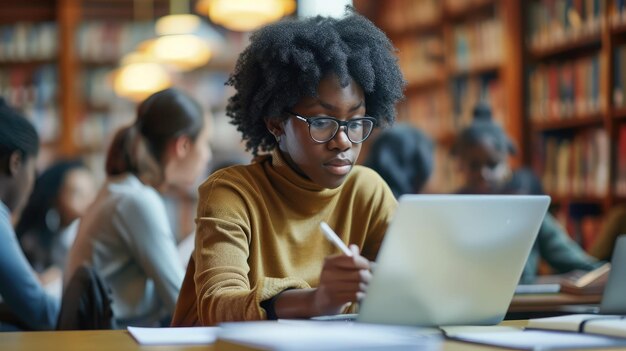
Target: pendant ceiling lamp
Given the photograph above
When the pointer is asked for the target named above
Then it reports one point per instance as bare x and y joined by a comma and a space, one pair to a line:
181, 40
245, 15
139, 76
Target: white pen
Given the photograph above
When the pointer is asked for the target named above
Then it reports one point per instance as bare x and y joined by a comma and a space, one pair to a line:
333, 238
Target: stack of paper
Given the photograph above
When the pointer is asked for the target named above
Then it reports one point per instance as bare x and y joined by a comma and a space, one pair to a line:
312, 335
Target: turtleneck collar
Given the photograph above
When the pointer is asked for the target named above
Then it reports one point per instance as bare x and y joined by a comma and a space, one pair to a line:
292, 186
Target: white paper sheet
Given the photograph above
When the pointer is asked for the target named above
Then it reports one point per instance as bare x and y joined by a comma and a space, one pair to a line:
174, 336
540, 340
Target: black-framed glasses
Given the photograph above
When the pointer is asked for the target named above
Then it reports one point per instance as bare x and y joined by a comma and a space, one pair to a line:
322, 129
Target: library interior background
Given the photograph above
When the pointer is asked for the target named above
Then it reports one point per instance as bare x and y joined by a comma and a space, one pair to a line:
553, 73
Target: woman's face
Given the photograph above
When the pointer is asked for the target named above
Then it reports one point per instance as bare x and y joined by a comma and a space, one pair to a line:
183, 170
484, 166
326, 164
77, 193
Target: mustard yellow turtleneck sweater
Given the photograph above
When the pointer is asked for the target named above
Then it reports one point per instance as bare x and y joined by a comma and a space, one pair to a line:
258, 234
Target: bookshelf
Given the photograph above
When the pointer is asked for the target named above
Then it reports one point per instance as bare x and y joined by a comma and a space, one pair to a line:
575, 53
447, 54
557, 83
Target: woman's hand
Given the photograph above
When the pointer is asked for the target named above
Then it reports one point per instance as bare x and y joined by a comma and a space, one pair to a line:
344, 279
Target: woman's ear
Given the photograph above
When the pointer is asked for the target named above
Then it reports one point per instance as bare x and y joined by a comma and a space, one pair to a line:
182, 145
275, 126
16, 161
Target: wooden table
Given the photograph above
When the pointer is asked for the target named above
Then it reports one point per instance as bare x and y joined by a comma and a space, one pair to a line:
121, 340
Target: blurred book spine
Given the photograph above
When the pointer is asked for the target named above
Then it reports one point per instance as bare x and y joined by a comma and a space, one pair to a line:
576, 166
619, 77
562, 90
475, 45
24, 41
404, 15
559, 22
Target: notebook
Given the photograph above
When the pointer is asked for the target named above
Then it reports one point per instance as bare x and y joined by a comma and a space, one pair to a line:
452, 259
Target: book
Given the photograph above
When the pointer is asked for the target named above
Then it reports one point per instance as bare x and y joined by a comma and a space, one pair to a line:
588, 283
608, 325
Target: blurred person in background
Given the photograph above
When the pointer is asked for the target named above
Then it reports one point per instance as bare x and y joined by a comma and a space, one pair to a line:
483, 150
48, 225
403, 156
25, 304
126, 234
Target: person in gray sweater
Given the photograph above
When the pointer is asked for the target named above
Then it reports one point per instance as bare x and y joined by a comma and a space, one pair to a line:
25, 304
125, 233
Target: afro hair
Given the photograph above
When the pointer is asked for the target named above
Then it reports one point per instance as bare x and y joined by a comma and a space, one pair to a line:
285, 61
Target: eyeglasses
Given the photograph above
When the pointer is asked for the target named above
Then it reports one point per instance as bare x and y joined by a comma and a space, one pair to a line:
323, 129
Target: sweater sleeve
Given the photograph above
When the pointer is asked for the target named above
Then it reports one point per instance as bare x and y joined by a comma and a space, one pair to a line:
559, 250
147, 231
20, 288
223, 288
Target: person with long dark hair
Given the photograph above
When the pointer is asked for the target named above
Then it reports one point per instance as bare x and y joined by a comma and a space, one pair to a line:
49, 222
125, 234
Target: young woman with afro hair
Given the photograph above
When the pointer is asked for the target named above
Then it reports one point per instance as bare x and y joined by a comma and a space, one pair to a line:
308, 93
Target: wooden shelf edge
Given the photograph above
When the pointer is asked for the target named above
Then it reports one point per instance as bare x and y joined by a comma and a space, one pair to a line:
467, 10
567, 123
28, 63
618, 29
477, 69
539, 53
570, 199
418, 85
433, 25
619, 112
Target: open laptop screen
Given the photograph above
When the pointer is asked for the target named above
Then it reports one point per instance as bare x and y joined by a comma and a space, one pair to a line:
452, 259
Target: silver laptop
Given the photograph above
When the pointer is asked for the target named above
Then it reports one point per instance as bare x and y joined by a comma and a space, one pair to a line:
452, 259
614, 295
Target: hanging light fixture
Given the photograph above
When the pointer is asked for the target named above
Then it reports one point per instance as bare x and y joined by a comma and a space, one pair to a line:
245, 15
181, 39
139, 76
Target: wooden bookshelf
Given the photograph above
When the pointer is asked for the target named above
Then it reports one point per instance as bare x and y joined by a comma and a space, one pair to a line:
620, 113
566, 48
580, 151
441, 104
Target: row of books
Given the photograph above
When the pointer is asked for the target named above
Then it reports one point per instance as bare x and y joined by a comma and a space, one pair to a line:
575, 166
477, 44
402, 15
620, 165
440, 114
427, 111
565, 89
619, 13
108, 41
421, 57
33, 90
97, 87
556, 22
619, 76
28, 42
